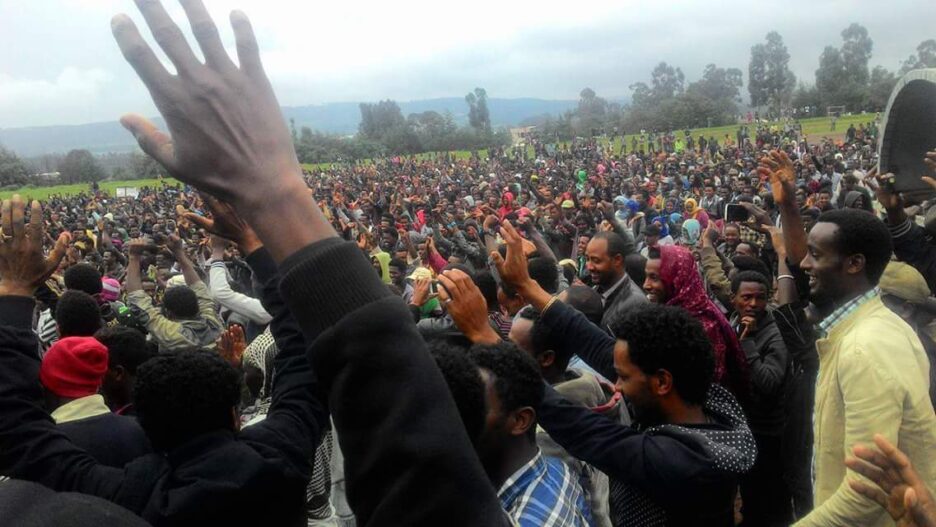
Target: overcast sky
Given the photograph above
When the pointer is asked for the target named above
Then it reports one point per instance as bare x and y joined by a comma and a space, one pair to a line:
60, 65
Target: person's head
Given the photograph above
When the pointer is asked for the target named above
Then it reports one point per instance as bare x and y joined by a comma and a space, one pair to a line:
746, 249
824, 200
127, 350
636, 266
732, 235
544, 272
654, 286
182, 394
397, 271
652, 234
513, 391
847, 253
180, 303
585, 300
464, 382
77, 314
849, 182
83, 277
663, 360
73, 368
709, 190
583, 243
750, 291
488, 287
509, 299
905, 292
605, 258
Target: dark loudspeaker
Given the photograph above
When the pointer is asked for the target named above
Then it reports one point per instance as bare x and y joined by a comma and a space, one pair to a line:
909, 131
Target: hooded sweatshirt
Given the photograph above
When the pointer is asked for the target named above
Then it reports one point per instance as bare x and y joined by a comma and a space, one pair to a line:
671, 474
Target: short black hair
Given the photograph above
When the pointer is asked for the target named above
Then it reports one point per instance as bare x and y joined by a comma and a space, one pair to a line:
399, 264
636, 267
515, 375
616, 244
464, 382
743, 262
83, 277
126, 347
653, 229
750, 276
77, 314
488, 286
586, 301
669, 338
862, 233
181, 301
179, 395
545, 273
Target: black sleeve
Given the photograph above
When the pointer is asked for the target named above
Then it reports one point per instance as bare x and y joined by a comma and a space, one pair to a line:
571, 332
394, 416
297, 415
31, 447
661, 465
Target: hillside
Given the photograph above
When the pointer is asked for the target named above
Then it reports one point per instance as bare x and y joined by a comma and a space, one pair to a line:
337, 118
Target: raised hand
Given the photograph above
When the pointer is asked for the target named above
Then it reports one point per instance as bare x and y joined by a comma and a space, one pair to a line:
421, 292
226, 223
136, 247
227, 132
231, 345
778, 166
465, 303
23, 267
930, 161
899, 488
512, 269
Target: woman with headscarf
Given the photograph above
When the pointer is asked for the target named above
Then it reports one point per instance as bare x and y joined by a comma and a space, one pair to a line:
691, 230
673, 279
636, 220
665, 237
695, 212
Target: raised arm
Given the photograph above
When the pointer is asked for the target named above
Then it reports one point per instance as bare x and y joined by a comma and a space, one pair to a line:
779, 168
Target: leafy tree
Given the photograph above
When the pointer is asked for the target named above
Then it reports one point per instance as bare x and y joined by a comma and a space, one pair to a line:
13, 170
843, 77
142, 166
479, 117
925, 57
667, 82
880, 86
856, 52
591, 112
770, 81
80, 166
806, 96
377, 119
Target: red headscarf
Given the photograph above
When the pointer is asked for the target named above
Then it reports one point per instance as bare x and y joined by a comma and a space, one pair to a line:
678, 271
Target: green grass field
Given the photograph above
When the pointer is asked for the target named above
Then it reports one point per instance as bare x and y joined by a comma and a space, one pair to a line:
42, 193
813, 128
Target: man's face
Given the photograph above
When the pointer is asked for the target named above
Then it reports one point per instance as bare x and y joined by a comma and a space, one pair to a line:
732, 236
709, 192
800, 198
604, 270
635, 386
396, 275
108, 258
824, 199
652, 239
723, 193
583, 244
824, 265
750, 300
653, 284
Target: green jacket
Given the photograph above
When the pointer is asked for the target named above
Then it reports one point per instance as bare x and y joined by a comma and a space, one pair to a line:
201, 332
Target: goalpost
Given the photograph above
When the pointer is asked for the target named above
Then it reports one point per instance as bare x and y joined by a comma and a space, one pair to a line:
835, 111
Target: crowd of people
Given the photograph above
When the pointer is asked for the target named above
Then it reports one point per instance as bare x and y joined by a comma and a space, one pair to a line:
693, 331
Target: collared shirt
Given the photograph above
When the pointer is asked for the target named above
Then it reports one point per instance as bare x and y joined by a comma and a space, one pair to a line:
611, 290
846, 309
544, 493
82, 408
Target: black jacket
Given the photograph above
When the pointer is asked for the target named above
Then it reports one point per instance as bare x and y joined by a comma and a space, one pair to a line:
915, 246
111, 439
769, 367
664, 475
408, 459
254, 477
625, 298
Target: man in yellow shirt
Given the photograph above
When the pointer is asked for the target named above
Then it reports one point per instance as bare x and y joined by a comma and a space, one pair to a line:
873, 372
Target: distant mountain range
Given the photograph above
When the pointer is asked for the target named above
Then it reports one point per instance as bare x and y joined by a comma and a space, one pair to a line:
335, 118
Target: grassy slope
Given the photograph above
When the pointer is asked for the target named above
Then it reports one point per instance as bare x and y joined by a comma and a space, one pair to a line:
42, 193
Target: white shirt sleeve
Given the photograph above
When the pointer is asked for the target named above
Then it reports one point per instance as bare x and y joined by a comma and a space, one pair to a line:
228, 298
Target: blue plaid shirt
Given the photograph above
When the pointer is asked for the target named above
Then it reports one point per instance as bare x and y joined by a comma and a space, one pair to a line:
544, 493
846, 309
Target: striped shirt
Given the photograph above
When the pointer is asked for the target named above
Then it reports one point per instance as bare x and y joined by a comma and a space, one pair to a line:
544, 493
846, 309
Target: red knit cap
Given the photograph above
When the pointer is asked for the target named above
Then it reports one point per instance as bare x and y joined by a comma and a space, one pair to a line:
74, 367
